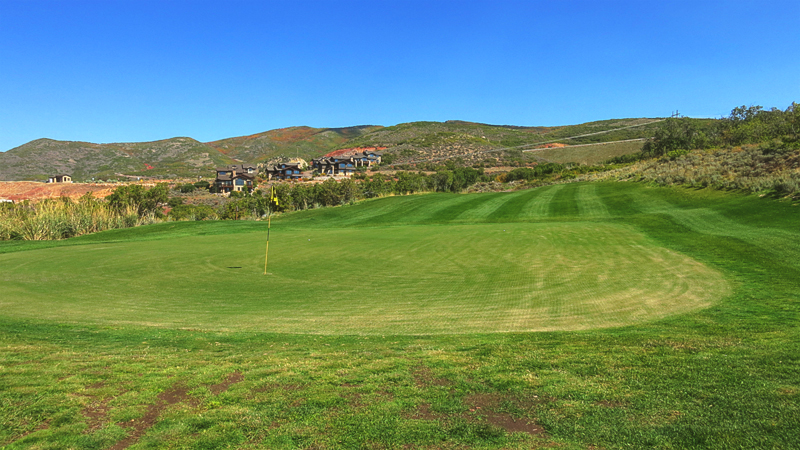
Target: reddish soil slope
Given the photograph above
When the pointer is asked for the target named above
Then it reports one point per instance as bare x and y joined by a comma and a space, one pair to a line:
31, 190
347, 151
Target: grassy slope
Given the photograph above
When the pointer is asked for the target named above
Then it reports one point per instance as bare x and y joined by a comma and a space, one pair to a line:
429, 134
724, 377
419, 141
304, 142
39, 159
588, 153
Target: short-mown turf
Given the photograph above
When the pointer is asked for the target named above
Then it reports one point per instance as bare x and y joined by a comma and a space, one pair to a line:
369, 280
716, 366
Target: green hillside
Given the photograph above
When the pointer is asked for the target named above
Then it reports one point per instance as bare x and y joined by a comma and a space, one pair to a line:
422, 142
181, 156
415, 142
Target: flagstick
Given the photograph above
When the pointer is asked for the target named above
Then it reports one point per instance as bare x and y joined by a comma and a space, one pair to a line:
266, 257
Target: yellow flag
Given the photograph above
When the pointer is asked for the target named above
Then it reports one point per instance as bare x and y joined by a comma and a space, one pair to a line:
273, 198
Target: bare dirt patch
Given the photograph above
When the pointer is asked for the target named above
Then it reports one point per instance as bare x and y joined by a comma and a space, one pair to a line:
175, 395
485, 407
423, 376
424, 412
482, 407
96, 415
96, 412
232, 379
140, 426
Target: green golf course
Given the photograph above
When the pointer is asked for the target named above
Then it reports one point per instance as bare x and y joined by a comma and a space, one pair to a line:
592, 315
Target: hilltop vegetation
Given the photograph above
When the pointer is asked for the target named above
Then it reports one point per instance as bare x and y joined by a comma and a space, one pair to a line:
753, 150
745, 125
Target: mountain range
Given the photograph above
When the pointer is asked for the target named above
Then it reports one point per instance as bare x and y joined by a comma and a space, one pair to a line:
468, 142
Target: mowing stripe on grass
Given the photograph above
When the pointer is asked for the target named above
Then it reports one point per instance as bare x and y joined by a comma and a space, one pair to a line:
400, 211
489, 203
617, 200
453, 211
564, 202
778, 242
512, 209
516, 209
538, 205
589, 203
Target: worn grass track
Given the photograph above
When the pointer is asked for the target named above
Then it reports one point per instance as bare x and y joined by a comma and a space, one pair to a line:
721, 371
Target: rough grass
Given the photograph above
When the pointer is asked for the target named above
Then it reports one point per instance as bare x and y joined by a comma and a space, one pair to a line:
720, 377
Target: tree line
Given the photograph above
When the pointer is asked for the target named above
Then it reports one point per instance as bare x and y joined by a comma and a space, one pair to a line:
300, 196
744, 125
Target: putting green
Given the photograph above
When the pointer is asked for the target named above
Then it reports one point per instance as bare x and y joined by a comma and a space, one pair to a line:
420, 279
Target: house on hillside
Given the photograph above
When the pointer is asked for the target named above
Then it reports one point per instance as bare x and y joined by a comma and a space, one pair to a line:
293, 170
235, 178
346, 165
60, 179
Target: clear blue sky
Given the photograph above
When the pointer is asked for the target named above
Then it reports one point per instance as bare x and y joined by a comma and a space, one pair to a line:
140, 70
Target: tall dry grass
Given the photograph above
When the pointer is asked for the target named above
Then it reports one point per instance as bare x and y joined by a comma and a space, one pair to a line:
54, 219
765, 168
